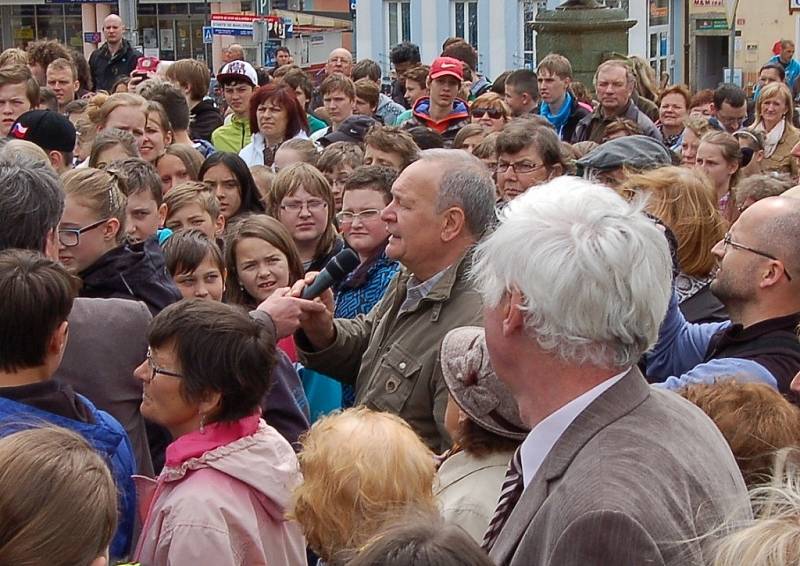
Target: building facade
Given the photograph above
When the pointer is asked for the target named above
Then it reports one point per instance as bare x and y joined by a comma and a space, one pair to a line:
499, 30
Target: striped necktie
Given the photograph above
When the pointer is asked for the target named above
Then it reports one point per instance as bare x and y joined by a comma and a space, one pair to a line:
510, 493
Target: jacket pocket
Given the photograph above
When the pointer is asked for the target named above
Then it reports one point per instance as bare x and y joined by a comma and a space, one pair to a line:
395, 381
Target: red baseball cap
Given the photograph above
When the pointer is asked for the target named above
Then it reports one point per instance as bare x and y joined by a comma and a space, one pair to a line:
446, 66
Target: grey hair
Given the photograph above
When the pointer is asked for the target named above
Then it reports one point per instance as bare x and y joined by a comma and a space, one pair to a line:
594, 271
630, 77
465, 183
31, 202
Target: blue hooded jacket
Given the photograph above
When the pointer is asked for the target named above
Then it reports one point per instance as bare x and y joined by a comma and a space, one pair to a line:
107, 436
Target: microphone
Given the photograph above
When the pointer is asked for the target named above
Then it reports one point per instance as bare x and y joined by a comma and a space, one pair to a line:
337, 269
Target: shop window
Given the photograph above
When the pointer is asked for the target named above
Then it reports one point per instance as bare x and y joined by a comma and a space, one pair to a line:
465, 21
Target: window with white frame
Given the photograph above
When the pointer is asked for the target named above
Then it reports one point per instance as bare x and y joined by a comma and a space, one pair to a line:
465, 20
398, 23
528, 11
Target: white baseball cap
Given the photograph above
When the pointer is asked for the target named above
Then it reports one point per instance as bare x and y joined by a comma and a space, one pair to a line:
238, 70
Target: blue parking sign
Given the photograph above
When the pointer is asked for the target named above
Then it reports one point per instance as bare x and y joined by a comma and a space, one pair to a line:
208, 36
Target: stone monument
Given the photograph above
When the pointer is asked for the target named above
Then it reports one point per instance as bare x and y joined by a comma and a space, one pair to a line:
584, 32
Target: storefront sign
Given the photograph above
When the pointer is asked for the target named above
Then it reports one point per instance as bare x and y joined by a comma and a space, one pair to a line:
242, 25
704, 3
712, 24
794, 6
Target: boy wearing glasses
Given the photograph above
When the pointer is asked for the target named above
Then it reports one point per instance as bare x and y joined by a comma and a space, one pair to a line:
443, 111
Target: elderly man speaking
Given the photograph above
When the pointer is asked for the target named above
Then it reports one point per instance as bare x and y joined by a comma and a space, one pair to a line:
575, 282
441, 205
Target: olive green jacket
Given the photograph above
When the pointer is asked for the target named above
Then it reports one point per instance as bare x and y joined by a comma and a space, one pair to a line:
392, 357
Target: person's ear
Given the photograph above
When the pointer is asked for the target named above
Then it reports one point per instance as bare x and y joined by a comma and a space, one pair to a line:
162, 214
58, 339
168, 138
759, 155
219, 226
210, 403
56, 160
513, 309
99, 561
453, 223
111, 229
51, 244
555, 171
76, 85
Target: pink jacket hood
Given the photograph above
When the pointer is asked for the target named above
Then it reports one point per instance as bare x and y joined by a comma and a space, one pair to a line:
222, 497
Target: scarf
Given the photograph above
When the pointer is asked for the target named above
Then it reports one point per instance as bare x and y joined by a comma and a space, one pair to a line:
558, 120
773, 137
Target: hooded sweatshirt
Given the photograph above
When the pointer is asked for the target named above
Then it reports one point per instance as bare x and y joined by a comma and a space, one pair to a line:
221, 500
132, 271
204, 118
448, 127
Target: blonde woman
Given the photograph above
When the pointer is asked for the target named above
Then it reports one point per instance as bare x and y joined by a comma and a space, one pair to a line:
773, 537
360, 469
686, 204
92, 244
51, 476
774, 118
124, 111
490, 111
694, 130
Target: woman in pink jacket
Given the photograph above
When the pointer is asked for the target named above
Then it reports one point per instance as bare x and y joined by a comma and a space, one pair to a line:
228, 476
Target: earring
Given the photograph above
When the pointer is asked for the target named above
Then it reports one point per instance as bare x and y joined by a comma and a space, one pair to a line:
202, 424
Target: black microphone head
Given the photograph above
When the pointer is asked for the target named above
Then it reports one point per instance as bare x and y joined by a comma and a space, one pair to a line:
342, 263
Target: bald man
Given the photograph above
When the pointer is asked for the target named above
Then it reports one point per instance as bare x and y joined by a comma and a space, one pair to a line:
234, 52
758, 280
340, 60
115, 58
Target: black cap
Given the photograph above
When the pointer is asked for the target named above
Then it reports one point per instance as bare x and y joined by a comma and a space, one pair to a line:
49, 130
352, 130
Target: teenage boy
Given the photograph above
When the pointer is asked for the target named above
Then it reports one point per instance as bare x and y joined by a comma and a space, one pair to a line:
339, 99
51, 131
442, 112
192, 205
145, 212
19, 92
38, 296
303, 89
558, 106
238, 80
192, 77
62, 79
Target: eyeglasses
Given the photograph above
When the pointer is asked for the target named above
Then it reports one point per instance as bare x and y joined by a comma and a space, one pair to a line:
154, 369
347, 217
494, 113
71, 237
310, 205
520, 167
728, 241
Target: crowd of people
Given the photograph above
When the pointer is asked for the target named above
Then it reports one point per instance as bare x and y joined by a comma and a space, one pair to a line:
571, 336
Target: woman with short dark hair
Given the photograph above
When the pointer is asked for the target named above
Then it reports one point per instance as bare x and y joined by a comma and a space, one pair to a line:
275, 116
228, 475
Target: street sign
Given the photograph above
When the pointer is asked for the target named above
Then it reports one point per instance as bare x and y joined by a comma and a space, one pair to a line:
91, 37
242, 25
208, 35
794, 6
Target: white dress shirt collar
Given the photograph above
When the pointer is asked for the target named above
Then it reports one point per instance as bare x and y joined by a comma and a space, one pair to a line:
543, 437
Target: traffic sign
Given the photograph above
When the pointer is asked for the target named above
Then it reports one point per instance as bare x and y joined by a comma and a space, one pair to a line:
208, 36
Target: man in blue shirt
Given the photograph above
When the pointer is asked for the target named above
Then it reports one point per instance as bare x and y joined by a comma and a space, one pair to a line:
757, 279
786, 59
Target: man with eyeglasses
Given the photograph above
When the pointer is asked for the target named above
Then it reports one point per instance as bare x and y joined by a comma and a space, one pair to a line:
758, 281
614, 83
729, 111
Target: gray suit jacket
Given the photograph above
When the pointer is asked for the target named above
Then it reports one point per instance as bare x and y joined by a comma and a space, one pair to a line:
633, 480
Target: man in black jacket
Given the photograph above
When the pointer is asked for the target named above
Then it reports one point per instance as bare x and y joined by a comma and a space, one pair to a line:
115, 58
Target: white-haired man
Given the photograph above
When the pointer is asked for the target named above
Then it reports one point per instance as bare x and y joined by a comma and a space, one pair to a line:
441, 205
575, 282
